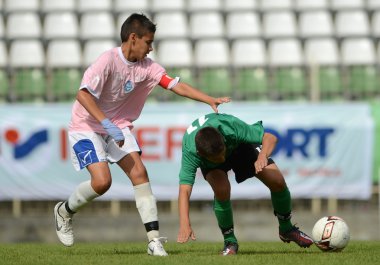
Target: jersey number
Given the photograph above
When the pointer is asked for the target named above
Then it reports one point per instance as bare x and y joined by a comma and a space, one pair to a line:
202, 120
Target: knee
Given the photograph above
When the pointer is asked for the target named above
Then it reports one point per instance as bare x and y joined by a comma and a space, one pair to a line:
278, 185
101, 185
139, 175
223, 193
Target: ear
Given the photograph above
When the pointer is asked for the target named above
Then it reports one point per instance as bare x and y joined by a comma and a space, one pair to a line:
132, 37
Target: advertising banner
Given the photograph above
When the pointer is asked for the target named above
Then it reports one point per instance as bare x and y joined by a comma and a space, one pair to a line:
324, 150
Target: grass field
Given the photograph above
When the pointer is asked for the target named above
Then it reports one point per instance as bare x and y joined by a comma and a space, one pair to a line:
194, 253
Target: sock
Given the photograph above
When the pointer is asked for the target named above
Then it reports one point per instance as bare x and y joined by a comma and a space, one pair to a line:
223, 213
282, 206
147, 207
83, 194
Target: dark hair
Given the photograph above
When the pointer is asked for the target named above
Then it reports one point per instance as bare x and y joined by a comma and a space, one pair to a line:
136, 23
209, 141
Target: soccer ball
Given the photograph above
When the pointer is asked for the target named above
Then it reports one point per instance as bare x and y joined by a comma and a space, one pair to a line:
331, 233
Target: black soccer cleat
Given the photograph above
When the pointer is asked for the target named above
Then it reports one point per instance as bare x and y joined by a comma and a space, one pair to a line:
230, 248
297, 236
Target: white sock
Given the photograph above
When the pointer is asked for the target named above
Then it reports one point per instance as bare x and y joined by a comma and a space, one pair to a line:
83, 194
147, 207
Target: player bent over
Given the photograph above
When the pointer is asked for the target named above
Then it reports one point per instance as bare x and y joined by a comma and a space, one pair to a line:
217, 143
110, 98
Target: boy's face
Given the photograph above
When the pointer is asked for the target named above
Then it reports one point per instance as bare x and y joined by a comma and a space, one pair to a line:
142, 46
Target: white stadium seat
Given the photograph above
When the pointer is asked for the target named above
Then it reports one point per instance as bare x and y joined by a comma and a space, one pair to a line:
94, 5
323, 51
58, 5
26, 53
94, 48
285, 52
352, 23
23, 25
21, 5
97, 25
243, 24
271, 5
346, 4
248, 53
171, 24
168, 5
61, 25
64, 53
175, 53
315, 24
304, 5
204, 5
240, 5
211, 53
358, 51
279, 24
206, 25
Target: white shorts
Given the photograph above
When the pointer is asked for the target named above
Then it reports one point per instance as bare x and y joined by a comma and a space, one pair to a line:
90, 147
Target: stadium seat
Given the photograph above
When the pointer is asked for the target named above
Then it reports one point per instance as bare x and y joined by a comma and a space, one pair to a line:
359, 61
240, 5
27, 61
352, 23
4, 81
58, 5
21, 5
64, 61
307, 5
373, 5
315, 24
212, 60
271, 5
375, 24
279, 24
249, 60
168, 5
23, 25
97, 25
94, 48
286, 61
61, 25
139, 6
172, 24
206, 25
346, 4
94, 5
2, 29
242, 24
322, 58
204, 5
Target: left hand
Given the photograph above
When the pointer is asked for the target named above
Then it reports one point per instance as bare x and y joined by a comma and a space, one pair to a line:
217, 101
261, 162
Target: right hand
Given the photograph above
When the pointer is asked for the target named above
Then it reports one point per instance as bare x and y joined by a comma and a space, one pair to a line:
184, 234
113, 131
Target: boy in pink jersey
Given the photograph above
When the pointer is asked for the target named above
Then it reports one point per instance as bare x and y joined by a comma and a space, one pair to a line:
111, 96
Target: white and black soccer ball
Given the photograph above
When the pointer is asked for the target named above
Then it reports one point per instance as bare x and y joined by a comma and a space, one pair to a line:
331, 233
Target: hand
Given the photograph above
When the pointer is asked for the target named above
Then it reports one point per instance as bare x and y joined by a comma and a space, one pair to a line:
217, 101
113, 131
184, 234
261, 162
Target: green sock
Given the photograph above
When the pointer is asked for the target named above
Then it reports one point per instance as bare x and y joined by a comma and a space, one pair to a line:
282, 206
223, 213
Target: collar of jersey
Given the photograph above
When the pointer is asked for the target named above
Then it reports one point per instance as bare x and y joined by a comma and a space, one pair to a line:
120, 52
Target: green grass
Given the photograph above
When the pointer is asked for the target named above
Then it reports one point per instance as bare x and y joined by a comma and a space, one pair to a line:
194, 253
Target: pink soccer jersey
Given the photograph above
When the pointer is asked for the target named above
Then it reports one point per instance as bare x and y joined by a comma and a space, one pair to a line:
120, 88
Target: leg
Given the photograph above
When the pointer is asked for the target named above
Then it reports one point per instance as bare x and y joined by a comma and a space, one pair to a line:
132, 165
272, 177
221, 186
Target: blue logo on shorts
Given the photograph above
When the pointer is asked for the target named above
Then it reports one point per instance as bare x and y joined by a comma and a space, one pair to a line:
128, 87
85, 152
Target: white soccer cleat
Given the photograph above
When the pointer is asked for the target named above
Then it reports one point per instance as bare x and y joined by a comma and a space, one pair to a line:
155, 247
63, 225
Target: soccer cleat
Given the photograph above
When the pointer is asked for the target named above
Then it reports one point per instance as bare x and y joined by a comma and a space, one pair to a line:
297, 236
230, 248
63, 226
155, 247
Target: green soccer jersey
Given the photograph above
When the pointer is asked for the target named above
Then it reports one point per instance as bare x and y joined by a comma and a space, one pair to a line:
234, 131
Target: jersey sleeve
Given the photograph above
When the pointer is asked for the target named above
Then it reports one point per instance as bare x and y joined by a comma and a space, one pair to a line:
168, 82
96, 75
188, 169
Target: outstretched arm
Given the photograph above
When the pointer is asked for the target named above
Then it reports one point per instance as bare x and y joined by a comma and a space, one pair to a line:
185, 231
185, 90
